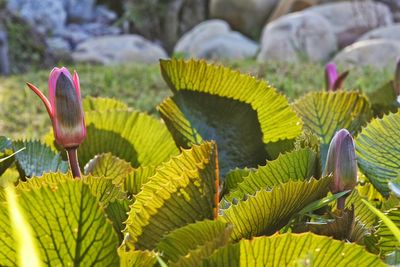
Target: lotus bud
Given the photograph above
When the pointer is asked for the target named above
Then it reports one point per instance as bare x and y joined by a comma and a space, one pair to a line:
342, 164
65, 111
64, 108
333, 81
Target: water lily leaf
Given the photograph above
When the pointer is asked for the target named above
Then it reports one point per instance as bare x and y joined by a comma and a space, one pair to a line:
137, 258
37, 159
5, 153
296, 165
135, 180
188, 245
70, 228
183, 191
387, 241
378, 151
384, 100
102, 104
249, 120
8, 254
293, 250
117, 212
234, 177
268, 211
135, 137
107, 165
324, 113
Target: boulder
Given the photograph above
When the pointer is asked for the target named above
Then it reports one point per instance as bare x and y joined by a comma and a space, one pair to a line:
377, 53
295, 36
214, 39
108, 50
79, 11
388, 32
394, 6
164, 21
352, 19
44, 15
247, 17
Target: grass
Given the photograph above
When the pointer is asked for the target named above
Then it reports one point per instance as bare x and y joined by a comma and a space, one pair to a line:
142, 88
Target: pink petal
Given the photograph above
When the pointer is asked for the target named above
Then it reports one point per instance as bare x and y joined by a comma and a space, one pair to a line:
75, 79
330, 76
44, 99
54, 74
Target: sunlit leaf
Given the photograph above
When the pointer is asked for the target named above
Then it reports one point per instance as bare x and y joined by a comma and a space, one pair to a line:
188, 245
296, 165
268, 211
378, 151
293, 250
249, 120
324, 113
102, 104
137, 258
183, 191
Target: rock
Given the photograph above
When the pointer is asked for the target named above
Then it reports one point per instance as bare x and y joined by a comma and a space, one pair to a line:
352, 19
99, 29
44, 15
104, 15
247, 17
377, 53
58, 44
213, 39
297, 35
110, 50
164, 21
388, 32
73, 36
79, 10
394, 6
4, 61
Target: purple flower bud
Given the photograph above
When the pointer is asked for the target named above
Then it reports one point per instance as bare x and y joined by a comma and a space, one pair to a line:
341, 162
65, 107
333, 81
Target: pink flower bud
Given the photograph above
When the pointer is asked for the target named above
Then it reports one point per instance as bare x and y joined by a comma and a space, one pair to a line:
341, 162
330, 76
65, 107
333, 81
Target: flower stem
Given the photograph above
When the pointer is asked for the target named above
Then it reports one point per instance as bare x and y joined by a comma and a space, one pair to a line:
341, 203
73, 161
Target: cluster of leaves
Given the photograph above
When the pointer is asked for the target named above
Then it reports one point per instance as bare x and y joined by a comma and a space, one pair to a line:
231, 176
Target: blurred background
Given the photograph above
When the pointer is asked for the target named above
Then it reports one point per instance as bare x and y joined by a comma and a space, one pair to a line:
115, 46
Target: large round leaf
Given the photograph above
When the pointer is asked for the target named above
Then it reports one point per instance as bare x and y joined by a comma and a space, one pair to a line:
183, 191
387, 241
135, 137
37, 158
296, 165
324, 113
378, 151
188, 245
102, 104
249, 120
69, 225
293, 250
268, 211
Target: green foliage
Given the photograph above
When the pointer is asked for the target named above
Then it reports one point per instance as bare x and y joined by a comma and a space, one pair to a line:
293, 250
292, 166
37, 159
183, 190
378, 151
268, 211
165, 209
247, 118
132, 136
324, 113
